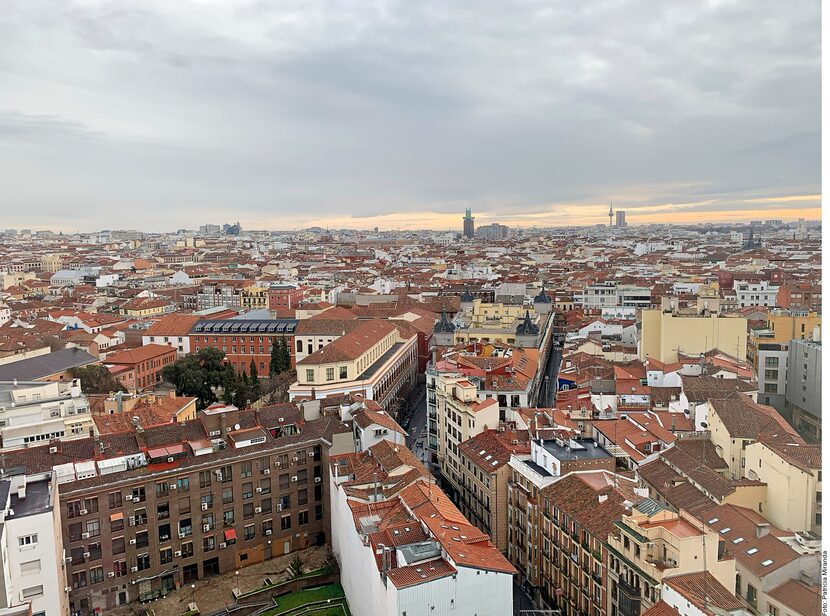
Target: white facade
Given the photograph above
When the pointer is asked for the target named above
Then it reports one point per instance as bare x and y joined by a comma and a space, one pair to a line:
32, 547
755, 293
37, 411
181, 343
5, 314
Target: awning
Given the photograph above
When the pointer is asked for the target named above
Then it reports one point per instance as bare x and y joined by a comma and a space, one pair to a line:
230, 535
117, 516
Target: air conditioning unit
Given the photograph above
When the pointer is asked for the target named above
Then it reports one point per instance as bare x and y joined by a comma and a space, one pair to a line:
223, 545
177, 554
173, 486
310, 454
85, 535
216, 433
182, 535
129, 497
53, 450
279, 507
134, 569
295, 459
259, 490
294, 478
257, 509
132, 541
111, 574
206, 527
131, 521
87, 554
204, 506
277, 463
169, 458
83, 512
318, 479
268, 532
266, 471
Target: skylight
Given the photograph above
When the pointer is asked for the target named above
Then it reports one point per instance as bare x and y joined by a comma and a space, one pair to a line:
723, 531
751, 551
766, 563
712, 521
738, 540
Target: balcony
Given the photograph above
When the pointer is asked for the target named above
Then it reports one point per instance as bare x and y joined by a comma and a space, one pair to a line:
632, 592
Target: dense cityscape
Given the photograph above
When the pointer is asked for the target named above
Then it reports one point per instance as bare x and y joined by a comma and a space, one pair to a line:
611, 420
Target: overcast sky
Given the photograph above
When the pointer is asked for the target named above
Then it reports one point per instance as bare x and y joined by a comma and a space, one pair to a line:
166, 114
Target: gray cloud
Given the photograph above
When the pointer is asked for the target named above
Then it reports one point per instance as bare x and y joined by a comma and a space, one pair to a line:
173, 113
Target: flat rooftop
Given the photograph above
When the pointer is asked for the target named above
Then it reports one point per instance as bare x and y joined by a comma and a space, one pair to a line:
36, 501
584, 450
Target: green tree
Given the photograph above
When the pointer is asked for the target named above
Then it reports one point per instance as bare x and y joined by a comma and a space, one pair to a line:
284, 356
256, 388
274, 365
198, 374
96, 379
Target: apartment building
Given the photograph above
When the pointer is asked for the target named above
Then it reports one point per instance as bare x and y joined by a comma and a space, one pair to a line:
33, 573
143, 512
759, 293
461, 416
803, 391
484, 474
769, 362
765, 556
172, 330
513, 324
33, 412
653, 543
665, 334
285, 296
403, 547
140, 368
611, 294
315, 333
577, 515
800, 296
377, 359
244, 340
792, 470
787, 325
215, 294
550, 460
254, 297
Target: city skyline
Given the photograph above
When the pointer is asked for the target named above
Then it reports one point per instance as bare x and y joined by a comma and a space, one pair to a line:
394, 115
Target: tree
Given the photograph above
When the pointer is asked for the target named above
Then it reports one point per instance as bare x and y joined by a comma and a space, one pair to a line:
274, 366
198, 374
284, 356
255, 385
96, 379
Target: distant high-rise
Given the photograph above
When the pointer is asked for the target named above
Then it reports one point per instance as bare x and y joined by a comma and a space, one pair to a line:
469, 224
620, 219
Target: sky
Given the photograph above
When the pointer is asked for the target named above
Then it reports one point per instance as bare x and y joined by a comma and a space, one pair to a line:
158, 115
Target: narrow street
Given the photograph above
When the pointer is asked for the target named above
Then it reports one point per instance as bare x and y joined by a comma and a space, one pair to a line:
416, 422
547, 392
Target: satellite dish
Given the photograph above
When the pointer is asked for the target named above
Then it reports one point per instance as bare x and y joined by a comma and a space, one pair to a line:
236, 427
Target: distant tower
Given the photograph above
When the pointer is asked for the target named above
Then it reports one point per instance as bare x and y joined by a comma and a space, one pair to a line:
611, 215
469, 224
621, 219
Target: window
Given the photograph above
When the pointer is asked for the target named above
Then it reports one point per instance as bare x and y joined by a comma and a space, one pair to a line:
166, 556
79, 579
246, 470
227, 474
30, 567
27, 540
309, 375
96, 575
302, 497
771, 362
208, 544
285, 522
265, 486
34, 591
227, 496
303, 518
118, 545
183, 483
318, 512
751, 595
247, 490
344, 372
114, 500
247, 511
329, 374
250, 532
162, 488
143, 561
228, 517
204, 479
